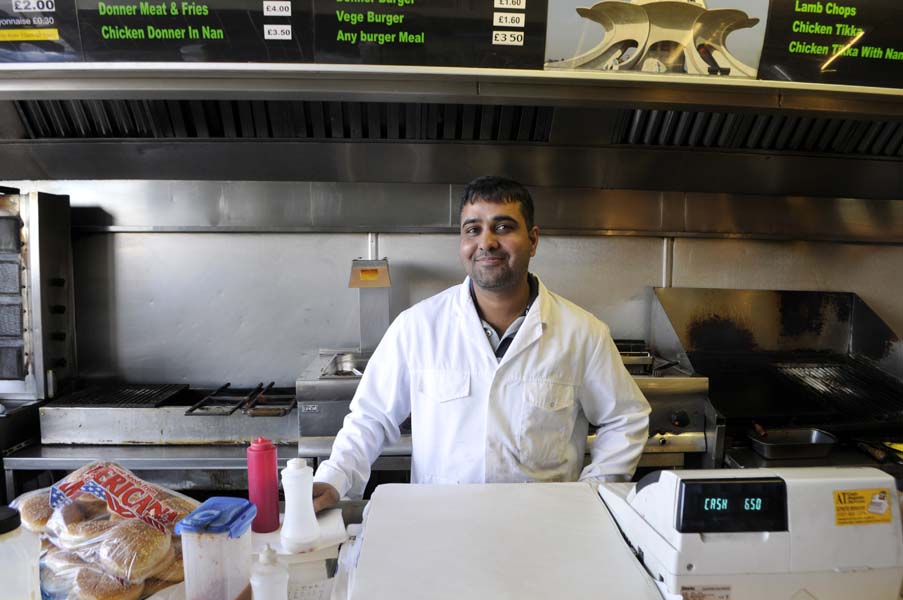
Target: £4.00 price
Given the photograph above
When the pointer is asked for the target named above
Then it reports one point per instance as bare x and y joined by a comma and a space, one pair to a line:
277, 8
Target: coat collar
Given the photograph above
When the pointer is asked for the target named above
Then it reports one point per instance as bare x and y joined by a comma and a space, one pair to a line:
530, 331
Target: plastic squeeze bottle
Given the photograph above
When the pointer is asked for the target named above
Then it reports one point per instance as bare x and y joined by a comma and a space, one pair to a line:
269, 579
263, 485
300, 529
20, 551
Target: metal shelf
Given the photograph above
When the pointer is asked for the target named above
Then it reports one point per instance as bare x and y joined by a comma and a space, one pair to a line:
426, 84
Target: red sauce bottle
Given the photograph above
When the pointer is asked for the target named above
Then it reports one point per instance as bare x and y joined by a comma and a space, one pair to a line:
263, 485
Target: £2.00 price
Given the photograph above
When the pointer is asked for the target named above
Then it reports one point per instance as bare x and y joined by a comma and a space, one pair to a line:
34, 6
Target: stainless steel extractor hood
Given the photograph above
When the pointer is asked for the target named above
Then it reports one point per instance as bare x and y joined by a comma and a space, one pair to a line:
430, 125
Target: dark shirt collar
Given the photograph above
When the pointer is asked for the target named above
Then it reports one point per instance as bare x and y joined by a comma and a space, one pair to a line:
534, 292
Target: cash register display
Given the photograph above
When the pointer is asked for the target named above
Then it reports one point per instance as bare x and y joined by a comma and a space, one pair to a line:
731, 505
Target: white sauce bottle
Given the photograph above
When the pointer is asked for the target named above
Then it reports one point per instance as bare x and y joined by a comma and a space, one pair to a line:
269, 579
300, 529
20, 552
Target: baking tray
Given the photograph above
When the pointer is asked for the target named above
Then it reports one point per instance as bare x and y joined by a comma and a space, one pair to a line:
792, 443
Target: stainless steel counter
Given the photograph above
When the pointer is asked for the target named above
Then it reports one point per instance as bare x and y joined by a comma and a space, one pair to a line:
321, 447
136, 458
661, 451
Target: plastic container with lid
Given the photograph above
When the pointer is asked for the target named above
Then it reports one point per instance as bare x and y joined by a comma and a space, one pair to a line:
20, 553
300, 529
269, 579
263, 485
216, 548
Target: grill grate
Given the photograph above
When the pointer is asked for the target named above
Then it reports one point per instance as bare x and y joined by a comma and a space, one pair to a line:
122, 396
855, 391
760, 131
283, 120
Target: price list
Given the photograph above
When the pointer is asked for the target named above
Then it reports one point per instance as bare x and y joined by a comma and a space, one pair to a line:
842, 41
38, 31
463, 33
509, 25
196, 30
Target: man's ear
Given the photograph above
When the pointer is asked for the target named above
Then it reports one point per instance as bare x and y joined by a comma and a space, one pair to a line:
534, 239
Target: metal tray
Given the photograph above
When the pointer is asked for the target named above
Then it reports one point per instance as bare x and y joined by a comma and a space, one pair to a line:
792, 443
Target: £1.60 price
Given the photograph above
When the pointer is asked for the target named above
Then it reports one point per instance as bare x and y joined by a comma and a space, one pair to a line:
501, 19
512, 4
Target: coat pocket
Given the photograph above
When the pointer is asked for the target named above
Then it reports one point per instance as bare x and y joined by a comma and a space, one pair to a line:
548, 416
442, 385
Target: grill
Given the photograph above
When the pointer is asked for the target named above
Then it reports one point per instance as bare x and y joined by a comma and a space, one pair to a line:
858, 392
122, 396
259, 402
796, 360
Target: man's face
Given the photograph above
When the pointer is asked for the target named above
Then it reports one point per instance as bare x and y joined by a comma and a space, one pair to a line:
496, 245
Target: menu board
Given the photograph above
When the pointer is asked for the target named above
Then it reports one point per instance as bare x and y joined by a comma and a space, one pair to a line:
196, 30
38, 31
465, 33
843, 41
820, 41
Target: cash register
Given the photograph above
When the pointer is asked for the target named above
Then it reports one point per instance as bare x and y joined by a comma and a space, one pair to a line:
753, 534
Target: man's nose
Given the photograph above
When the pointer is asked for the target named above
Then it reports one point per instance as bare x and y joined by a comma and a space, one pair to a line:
488, 240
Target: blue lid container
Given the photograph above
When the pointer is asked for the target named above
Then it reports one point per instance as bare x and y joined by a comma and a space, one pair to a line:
219, 515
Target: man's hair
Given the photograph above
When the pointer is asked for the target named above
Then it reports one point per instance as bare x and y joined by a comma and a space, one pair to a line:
498, 190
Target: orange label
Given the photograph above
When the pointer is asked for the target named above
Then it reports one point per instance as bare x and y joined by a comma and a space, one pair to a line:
369, 274
861, 507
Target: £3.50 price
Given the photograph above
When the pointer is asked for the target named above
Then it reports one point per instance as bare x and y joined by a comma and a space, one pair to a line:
507, 38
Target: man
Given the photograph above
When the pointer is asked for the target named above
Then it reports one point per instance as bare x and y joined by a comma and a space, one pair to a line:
500, 376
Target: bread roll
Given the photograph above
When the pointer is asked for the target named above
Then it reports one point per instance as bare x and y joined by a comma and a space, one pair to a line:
182, 507
91, 506
62, 560
152, 586
84, 532
133, 550
35, 511
54, 585
91, 584
174, 572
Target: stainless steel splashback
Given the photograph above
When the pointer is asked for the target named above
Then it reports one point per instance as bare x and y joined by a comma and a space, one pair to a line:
708, 321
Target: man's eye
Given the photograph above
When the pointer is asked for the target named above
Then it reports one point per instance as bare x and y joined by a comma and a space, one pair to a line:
471, 230
502, 227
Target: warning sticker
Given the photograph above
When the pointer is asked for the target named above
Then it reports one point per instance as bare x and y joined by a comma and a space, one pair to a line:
861, 507
706, 592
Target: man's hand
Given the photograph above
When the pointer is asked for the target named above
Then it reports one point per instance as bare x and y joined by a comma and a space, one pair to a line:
325, 496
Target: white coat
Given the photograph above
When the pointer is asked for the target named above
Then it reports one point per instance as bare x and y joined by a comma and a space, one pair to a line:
475, 419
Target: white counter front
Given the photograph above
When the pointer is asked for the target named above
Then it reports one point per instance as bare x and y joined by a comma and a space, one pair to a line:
499, 541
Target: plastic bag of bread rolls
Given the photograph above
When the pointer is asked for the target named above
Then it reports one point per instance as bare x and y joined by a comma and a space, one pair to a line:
108, 535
